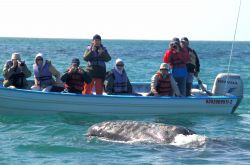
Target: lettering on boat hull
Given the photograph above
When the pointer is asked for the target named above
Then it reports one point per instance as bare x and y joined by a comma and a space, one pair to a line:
215, 101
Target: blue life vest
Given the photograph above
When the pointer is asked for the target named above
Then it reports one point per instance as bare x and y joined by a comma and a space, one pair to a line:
120, 82
43, 75
97, 61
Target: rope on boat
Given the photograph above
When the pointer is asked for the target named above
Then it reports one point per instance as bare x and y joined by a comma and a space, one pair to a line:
232, 47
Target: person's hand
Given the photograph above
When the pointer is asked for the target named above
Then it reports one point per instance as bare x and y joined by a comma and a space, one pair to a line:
156, 94
100, 50
72, 69
15, 63
93, 48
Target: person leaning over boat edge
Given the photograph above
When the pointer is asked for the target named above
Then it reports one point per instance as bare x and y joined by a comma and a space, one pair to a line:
75, 77
193, 65
117, 81
163, 84
96, 55
15, 72
43, 74
177, 58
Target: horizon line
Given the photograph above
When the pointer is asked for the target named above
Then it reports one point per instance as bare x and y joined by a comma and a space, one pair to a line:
126, 39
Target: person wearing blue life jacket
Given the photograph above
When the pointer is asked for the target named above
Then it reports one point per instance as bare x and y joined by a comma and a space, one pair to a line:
15, 73
43, 74
117, 81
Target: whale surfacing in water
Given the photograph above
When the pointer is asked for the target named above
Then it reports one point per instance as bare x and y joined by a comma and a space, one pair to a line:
131, 131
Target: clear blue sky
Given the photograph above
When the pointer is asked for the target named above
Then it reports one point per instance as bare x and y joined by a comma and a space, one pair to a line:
125, 19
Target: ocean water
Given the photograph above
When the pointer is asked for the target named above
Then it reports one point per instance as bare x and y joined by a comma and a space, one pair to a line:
61, 138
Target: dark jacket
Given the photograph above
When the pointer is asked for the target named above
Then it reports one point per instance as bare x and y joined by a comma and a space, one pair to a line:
96, 62
193, 65
15, 76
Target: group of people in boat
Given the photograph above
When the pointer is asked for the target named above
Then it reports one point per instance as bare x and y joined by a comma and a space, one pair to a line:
174, 78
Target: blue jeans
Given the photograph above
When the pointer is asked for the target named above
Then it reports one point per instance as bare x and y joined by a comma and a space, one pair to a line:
181, 83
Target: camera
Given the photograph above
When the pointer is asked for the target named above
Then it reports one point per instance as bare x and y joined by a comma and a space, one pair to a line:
21, 63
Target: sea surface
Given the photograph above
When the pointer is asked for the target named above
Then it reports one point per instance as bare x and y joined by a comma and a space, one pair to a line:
61, 138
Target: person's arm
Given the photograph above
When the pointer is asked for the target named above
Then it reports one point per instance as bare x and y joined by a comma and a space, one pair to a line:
65, 76
154, 81
109, 83
88, 54
26, 71
55, 73
197, 62
175, 88
104, 55
130, 87
167, 57
8, 72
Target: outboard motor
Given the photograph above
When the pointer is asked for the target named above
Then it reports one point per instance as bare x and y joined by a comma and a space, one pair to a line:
228, 84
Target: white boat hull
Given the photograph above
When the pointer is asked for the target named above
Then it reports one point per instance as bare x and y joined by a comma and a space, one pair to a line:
26, 101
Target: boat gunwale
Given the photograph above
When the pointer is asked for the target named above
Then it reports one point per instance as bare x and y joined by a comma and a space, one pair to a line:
118, 96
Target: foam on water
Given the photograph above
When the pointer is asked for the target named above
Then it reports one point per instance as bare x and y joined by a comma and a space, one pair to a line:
189, 141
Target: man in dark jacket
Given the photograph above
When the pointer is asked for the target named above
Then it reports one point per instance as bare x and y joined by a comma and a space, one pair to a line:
15, 73
96, 55
193, 65
75, 77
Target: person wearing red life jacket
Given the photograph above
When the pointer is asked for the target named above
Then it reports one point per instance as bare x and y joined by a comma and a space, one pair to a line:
163, 84
75, 77
177, 58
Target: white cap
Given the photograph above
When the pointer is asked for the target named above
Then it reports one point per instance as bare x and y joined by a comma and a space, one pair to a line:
16, 56
118, 60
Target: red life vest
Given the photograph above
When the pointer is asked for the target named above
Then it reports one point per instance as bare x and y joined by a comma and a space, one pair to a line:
164, 87
75, 81
176, 60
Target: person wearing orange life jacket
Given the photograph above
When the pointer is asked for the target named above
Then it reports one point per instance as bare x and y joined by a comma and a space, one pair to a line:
75, 77
193, 65
163, 84
43, 73
177, 58
15, 73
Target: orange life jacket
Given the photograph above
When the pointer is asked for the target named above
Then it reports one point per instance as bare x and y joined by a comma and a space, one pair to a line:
164, 87
75, 81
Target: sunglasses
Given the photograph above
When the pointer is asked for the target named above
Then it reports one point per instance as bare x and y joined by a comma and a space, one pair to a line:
39, 59
121, 65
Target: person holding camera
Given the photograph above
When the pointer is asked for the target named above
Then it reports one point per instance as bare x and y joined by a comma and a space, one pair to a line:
15, 73
178, 58
96, 55
43, 73
75, 77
